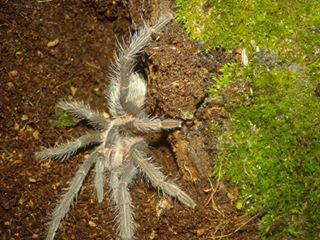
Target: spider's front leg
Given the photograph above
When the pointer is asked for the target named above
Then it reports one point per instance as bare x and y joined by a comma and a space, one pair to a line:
153, 124
84, 112
119, 182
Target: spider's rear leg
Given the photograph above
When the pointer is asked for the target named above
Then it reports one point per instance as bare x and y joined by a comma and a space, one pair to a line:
158, 180
99, 176
66, 150
122, 199
64, 204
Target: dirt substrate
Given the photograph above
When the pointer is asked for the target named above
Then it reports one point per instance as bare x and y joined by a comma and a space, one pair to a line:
64, 49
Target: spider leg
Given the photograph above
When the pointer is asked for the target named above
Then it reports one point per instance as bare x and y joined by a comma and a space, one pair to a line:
66, 150
84, 112
129, 173
110, 157
119, 185
99, 177
124, 67
154, 124
125, 207
64, 204
158, 179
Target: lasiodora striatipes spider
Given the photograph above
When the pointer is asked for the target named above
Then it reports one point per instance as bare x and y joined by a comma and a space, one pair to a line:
117, 148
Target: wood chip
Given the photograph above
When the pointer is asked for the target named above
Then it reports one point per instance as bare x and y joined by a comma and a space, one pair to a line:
31, 203
53, 43
163, 204
153, 235
16, 127
13, 74
32, 180
106, 115
92, 224
21, 201
200, 231
24, 117
36, 134
73, 91
10, 85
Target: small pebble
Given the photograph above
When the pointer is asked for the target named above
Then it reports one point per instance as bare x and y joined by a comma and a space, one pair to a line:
30, 203
24, 117
13, 74
39, 54
21, 201
200, 232
16, 126
106, 115
10, 85
153, 235
35, 236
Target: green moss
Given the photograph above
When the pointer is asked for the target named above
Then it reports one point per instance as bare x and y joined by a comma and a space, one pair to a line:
231, 24
64, 120
227, 77
13, 46
271, 148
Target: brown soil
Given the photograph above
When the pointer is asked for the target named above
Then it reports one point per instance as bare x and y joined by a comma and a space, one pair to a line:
63, 49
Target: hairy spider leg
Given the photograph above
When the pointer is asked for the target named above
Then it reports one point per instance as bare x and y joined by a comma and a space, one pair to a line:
67, 199
65, 150
158, 179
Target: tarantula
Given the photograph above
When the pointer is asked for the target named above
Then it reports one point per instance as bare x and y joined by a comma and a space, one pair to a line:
118, 146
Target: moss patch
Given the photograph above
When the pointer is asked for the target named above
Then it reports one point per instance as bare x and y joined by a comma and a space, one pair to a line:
64, 120
271, 146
